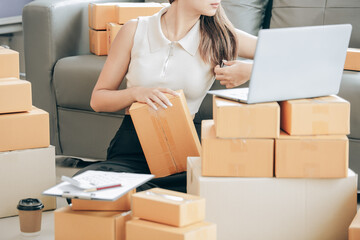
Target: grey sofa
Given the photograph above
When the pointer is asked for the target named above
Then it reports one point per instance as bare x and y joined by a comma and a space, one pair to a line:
63, 72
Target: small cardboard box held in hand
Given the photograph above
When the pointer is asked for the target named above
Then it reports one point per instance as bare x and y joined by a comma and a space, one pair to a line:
240, 120
168, 207
237, 157
316, 116
146, 230
15, 95
90, 225
167, 136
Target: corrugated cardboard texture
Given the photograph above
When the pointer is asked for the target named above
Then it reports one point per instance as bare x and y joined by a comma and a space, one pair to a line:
9, 63
15, 96
128, 11
167, 136
29, 172
112, 30
235, 157
352, 61
98, 42
276, 208
316, 116
24, 130
100, 14
240, 120
168, 207
122, 204
311, 156
140, 229
90, 225
354, 229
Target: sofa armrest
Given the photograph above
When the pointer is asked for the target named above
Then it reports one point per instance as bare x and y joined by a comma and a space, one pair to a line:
53, 30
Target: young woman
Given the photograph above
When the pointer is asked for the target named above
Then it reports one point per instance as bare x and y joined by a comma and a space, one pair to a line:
180, 47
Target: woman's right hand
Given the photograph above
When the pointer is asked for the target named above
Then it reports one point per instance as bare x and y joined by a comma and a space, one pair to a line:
151, 96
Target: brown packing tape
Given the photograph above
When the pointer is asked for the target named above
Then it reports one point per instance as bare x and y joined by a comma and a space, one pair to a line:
160, 134
320, 109
234, 145
320, 126
308, 145
168, 196
309, 169
169, 139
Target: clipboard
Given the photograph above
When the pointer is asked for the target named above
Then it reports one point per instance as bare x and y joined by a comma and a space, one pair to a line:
129, 181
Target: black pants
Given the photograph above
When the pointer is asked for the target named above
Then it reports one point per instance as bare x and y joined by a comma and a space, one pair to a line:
125, 155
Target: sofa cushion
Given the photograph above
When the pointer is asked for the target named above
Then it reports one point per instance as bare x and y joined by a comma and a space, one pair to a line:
295, 13
75, 78
247, 15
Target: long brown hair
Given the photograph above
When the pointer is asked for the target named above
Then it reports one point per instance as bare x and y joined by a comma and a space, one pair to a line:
218, 38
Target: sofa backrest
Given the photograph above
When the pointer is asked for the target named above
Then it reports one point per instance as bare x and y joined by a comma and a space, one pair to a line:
293, 13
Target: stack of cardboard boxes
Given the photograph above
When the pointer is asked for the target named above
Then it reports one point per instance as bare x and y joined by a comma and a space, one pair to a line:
93, 220
157, 214
106, 19
314, 193
27, 161
165, 214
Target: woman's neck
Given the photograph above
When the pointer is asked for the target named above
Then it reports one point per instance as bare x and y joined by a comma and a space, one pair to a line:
178, 21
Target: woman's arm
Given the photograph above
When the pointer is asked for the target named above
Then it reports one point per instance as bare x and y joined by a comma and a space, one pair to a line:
238, 72
106, 97
246, 44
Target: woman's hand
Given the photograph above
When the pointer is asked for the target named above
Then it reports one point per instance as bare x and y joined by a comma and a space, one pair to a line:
235, 74
151, 96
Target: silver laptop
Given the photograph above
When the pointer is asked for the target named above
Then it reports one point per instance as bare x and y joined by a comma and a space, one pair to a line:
292, 63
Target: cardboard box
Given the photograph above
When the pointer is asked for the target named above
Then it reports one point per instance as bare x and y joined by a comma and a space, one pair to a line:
100, 14
168, 207
98, 42
128, 11
324, 156
235, 157
9, 62
316, 116
140, 229
352, 61
167, 136
24, 174
122, 204
354, 229
24, 130
276, 208
241, 120
112, 30
15, 95
90, 225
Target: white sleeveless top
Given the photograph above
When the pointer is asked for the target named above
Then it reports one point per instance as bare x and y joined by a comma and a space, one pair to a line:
158, 62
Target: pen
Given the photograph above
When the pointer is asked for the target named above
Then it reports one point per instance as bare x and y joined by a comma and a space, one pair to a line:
101, 188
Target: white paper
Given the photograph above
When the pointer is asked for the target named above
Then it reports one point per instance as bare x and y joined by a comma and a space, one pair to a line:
129, 181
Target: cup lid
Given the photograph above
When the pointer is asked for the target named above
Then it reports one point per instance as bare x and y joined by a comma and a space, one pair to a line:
30, 204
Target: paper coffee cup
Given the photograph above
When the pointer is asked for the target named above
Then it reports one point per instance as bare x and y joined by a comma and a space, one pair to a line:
30, 211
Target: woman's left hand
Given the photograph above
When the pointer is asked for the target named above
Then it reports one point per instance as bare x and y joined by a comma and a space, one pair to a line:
235, 74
